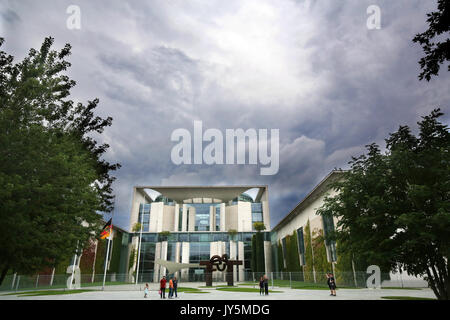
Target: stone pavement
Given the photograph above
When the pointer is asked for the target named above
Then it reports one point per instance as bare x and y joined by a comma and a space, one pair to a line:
132, 292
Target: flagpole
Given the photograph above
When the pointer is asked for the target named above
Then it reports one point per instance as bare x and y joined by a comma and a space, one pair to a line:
109, 245
139, 246
106, 262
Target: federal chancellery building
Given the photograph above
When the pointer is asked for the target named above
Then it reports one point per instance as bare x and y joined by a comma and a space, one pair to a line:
185, 224
191, 224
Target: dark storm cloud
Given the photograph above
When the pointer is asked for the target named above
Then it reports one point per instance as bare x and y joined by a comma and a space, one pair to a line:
311, 69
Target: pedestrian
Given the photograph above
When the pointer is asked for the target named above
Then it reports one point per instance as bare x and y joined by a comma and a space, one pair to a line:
146, 290
170, 288
331, 284
266, 285
175, 286
162, 287
261, 286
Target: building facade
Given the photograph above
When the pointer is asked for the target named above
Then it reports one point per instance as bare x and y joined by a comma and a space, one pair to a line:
301, 230
191, 224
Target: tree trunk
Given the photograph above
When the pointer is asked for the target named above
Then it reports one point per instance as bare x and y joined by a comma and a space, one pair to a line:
431, 282
3, 274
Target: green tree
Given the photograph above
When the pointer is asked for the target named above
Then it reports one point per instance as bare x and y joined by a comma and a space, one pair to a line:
232, 233
136, 227
54, 180
280, 258
259, 226
394, 207
436, 52
308, 268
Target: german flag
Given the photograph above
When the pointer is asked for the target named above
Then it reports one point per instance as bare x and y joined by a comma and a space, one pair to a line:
106, 231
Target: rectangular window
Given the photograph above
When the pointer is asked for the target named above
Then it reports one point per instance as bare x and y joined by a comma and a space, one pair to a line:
217, 211
301, 246
171, 248
180, 218
257, 213
144, 216
328, 227
283, 247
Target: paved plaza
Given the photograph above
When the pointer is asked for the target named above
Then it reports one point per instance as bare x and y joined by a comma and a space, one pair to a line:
133, 292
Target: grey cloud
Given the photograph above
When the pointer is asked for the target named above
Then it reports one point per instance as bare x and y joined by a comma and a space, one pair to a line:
317, 74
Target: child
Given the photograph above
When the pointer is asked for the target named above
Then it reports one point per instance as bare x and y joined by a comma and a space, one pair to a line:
146, 290
331, 284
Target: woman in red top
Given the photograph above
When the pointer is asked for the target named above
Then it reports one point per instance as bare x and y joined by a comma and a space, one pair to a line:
162, 286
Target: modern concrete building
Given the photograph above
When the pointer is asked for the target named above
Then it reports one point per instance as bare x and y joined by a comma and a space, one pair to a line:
189, 224
306, 211
304, 214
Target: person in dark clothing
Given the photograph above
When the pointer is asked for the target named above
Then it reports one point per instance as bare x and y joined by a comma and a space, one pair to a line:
162, 287
175, 286
266, 285
261, 286
331, 283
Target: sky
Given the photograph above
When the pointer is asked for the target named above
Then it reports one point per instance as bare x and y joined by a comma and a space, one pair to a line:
312, 69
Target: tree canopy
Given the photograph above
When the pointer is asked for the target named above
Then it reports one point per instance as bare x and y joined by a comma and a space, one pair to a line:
54, 180
394, 207
436, 52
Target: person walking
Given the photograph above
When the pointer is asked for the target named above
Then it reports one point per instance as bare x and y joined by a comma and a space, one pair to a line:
261, 286
175, 286
162, 287
266, 285
170, 288
331, 284
146, 290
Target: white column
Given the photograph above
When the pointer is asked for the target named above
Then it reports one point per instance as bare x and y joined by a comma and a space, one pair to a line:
241, 257
184, 219
191, 213
212, 218
266, 216
177, 256
222, 217
164, 246
244, 216
267, 257
156, 217
176, 217
185, 259
156, 277
233, 256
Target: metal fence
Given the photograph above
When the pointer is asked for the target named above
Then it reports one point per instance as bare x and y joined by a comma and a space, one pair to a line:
295, 280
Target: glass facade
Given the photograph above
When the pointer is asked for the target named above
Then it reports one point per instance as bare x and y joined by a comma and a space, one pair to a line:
198, 251
206, 230
217, 210
144, 216
147, 259
202, 215
171, 249
257, 213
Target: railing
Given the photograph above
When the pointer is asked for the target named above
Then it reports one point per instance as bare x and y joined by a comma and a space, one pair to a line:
294, 280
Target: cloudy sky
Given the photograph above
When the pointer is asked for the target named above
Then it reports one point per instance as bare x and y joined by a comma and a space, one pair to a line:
312, 69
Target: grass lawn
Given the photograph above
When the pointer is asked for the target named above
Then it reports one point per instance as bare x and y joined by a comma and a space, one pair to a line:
406, 298
222, 286
400, 288
47, 292
190, 290
233, 289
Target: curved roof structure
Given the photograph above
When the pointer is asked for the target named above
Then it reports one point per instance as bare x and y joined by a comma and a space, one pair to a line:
181, 193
